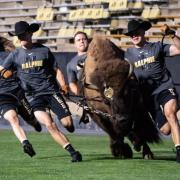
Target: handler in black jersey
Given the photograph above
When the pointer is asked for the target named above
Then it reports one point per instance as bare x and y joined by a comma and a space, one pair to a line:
38, 74
13, 101
154, 79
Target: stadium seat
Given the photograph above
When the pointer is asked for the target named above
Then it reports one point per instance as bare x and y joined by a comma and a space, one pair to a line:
84, 14
97, 13
155, 12
115, 5
38, 33
138, 5
66, 32
80, 14
146, 12
40, 14
88, 31
45, 14
89, 1
73, 15
88, 13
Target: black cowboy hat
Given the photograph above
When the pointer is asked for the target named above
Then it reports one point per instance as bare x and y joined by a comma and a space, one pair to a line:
134, 25
22, 27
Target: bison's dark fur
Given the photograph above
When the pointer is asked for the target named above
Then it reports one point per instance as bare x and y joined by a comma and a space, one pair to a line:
105, 67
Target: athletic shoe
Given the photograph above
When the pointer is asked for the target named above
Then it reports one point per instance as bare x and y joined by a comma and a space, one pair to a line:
178, 156
27, 147
76, 157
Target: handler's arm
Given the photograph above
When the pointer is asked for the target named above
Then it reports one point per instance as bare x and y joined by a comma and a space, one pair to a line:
175, 47
61, 80
5, 73
72, 80
74, 88
1, 68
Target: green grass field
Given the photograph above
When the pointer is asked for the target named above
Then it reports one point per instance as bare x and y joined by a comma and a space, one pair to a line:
53, 163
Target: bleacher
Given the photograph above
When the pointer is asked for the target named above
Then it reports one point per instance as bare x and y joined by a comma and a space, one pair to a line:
60, 19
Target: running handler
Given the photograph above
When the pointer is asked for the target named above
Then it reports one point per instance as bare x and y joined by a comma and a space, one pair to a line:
155, 81
13, 101
38, 74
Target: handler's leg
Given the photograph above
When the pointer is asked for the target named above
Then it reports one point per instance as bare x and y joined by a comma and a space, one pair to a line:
170, 109
166, 129
12, 117
25, 111
178, 111
44, 118
178, 115
67, 122
60, 108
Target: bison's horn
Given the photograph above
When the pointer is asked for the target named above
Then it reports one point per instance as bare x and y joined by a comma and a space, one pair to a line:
130, 68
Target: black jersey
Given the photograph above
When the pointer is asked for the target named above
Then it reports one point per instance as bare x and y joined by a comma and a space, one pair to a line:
35, 69
73, 69
9, 85
149, 66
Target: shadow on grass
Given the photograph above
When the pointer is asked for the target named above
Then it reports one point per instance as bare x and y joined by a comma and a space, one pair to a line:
159, 155
157, 158
86, 157
164, 158
53, 157
165, 155
98, 157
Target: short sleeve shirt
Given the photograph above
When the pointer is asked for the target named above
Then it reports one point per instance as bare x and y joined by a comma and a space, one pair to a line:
149, 66
73, 68
35, 69
8, 85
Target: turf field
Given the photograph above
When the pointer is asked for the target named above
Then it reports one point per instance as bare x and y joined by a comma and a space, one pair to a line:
53, 163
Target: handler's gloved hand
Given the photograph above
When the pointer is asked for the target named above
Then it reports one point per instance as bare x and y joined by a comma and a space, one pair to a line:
65, 89
166, 30
6, 73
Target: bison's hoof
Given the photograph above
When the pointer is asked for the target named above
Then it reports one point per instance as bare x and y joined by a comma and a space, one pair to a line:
127, 151
148, 156
121, 151
147, 153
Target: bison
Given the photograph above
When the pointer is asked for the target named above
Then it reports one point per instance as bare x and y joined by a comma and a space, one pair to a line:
111, 92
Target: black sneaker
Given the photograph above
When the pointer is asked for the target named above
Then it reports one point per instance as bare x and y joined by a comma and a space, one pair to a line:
178, 154
27, 147
76, 157
178, 157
